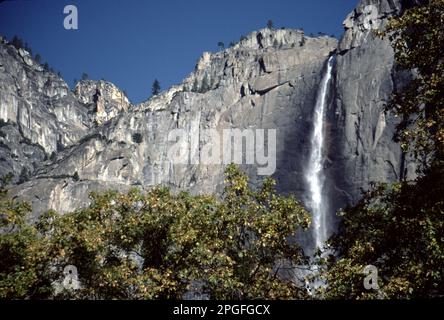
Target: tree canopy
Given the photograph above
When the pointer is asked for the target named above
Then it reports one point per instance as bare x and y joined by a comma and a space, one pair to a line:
418, 41
157, 245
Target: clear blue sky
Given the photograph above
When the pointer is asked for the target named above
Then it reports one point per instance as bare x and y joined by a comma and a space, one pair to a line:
132, 42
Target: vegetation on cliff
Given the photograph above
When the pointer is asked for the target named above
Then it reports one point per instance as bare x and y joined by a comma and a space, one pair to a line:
399, 228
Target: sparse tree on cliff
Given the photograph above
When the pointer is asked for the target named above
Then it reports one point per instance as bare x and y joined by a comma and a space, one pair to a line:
17, 42
155, 88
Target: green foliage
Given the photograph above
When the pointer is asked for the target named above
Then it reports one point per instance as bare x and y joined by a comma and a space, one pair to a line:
400, 230
418, 40
4, 181
158, 245
203, 86
23, 252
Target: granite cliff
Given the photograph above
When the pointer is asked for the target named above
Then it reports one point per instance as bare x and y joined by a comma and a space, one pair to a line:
62, 144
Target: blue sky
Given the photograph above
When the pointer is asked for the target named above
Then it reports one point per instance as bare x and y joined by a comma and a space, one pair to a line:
132, 42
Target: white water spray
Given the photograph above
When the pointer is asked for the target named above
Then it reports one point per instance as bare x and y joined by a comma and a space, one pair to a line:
315, 176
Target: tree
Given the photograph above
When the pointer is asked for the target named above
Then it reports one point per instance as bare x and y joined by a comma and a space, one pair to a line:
17, 42
28, 48
4, 181
420, 105
205, 85
400, 228
85, 76
37, 58
158, 245
221, 45
270, 24
195, 87
155, 88
23, 252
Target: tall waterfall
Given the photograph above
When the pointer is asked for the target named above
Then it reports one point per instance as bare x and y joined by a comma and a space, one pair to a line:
315, 175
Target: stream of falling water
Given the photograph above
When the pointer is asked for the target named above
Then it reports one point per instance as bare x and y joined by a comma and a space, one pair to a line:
315, 175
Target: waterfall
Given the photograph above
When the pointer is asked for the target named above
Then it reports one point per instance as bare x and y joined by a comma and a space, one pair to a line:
315, 175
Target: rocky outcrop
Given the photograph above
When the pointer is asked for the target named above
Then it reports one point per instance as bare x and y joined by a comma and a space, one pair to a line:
39, 115
103, 97
267, 81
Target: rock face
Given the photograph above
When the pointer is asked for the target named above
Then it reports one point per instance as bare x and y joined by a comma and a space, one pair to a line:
267, 81
361, 149
104, 98
94, 139
39, 115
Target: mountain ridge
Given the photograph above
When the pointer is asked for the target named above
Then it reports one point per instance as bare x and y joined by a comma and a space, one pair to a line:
93, 138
